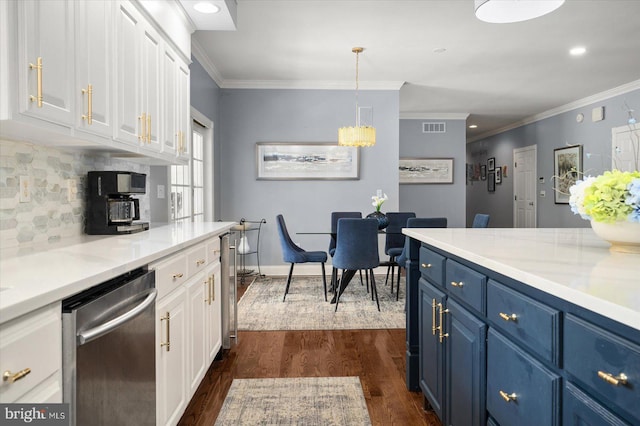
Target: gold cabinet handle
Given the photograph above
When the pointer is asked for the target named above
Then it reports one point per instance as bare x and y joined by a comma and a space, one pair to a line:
442, 336
208, 298
38, 68
508, 396
149, 128
426, 265
178, 275
506, 317
167, 318
433, 317
457, 284
143, 126
10, 377
213, 288
200, 262
89, 115
620, 379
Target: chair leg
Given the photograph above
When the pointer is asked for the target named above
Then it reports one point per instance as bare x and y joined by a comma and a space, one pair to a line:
338, 291
286, 290
386, 280
334, 279
374, 289
398, 286
361, 282
324, 281
367, 277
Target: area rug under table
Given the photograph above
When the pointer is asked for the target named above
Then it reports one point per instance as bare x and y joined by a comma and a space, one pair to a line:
262, 308
295, 401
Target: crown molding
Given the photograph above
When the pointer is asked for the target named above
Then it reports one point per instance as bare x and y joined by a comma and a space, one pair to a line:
209, 67
434, 116
607, 94
311, 84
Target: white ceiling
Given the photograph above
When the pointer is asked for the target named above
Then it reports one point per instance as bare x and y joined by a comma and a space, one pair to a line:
500, 74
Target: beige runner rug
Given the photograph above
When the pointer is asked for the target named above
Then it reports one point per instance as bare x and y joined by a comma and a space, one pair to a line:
262, 308
309, 401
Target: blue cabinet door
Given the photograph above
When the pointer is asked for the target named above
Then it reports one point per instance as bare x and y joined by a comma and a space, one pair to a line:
465, 368
579, 409
431, 359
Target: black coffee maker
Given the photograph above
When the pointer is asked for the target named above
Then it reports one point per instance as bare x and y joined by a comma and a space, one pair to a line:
110, 207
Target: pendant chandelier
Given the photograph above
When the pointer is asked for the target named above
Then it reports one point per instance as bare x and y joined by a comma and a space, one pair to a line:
357, 135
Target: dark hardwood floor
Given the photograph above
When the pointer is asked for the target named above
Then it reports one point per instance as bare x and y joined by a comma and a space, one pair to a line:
377, 357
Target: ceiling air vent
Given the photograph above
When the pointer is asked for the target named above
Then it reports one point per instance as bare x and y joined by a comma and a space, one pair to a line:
434, 127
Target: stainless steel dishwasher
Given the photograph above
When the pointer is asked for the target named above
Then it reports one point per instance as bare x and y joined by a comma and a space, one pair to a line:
109, 368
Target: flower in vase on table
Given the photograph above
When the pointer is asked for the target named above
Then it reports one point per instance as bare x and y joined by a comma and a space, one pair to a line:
613, 196
378, 201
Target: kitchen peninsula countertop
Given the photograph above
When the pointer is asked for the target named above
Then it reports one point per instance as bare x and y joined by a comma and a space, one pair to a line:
570, 263
32, 278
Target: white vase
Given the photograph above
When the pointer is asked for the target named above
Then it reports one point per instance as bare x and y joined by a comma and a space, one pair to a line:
624, 236
243, 246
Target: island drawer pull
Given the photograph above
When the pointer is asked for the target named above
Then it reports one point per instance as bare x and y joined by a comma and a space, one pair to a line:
442, 335
167, 344
506, 317
620, 379
508, 396
200, 262
426, 265
433, 317
10, 377
457, 284
178, 275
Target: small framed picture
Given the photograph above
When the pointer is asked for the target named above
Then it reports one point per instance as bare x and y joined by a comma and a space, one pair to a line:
499, 175
483, 172
491, 182
491, 164
567, 169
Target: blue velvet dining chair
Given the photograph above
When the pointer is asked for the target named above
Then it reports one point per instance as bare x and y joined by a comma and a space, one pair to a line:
416, 222
332, 243
394, 241
480, 221
357, 249
293, 254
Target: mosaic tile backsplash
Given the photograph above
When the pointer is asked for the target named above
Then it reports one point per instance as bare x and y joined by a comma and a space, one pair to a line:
49, 216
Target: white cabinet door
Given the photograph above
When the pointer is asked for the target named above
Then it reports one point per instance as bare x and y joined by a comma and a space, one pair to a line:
214, 315
45, 59
184, 111
197, 291
151, 71
94, 60
170, 91
171, 358
128, 111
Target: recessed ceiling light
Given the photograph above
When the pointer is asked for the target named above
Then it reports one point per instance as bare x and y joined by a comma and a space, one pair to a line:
473, 126
439, 50
206, 7
577, 51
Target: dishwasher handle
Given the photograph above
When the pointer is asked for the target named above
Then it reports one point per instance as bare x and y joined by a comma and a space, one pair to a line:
95, 332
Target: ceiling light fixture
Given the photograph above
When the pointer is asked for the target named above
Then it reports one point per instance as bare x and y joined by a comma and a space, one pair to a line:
506, 11
206, 7
577, 51
473, 126
358, 135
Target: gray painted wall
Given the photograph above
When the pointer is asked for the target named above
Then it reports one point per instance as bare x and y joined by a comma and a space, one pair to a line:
248, 116
442, 200
547, 134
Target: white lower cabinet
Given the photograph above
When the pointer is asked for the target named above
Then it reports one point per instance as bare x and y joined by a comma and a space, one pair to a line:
188, 326
171, 357
31, 356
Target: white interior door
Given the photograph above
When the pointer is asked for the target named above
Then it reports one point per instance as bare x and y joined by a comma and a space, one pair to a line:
524, 187
625, 148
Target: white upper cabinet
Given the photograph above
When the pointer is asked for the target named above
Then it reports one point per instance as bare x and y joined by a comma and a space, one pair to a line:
45, 59
184, 111
150, 88
169, 122
94, 59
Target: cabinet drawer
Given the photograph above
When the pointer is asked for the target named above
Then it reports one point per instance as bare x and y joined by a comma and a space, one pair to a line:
170, 274
531, 323
213, 250
608, 354
196, 259
580, 409
512, 373
466, 284
432, 266
32, 341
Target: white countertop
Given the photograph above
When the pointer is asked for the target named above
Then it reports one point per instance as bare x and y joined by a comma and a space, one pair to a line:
35, 278
570, 263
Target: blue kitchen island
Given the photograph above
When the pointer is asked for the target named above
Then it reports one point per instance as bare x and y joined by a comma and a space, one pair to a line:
523, 326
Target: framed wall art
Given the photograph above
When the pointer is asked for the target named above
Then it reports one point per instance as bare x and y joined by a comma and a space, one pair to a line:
567, 168
306, 161
483, 172
425, 170
498, 172
491, 182
491, 164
